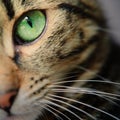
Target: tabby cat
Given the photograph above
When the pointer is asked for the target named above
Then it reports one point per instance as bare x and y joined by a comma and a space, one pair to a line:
57, 61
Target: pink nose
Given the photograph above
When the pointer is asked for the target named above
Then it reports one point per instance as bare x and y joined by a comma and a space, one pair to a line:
5, 100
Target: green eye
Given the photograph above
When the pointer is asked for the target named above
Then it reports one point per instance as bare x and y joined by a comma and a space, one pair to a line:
30, 26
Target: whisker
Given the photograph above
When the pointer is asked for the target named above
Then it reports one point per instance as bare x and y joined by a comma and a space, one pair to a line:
57, 116
90, 71
86, 90
110, 99
93, 81
55, 104
44, 116
58, 112
42, 105
65, 78
106, 97
104, 30
114, 98
87, 105
72, 107
68, 74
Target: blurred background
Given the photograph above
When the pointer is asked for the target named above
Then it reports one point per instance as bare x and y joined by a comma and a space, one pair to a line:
112, 11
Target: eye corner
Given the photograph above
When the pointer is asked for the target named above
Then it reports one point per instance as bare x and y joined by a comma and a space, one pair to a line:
29, 27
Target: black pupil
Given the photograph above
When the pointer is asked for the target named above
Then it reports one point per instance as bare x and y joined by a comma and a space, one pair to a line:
29, 21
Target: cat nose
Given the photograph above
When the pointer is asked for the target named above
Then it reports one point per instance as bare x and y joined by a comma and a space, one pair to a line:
6, 100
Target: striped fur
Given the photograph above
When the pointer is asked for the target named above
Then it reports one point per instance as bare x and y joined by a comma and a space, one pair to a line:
71, 72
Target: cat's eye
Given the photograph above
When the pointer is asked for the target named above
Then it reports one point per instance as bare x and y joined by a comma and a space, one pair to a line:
29, 27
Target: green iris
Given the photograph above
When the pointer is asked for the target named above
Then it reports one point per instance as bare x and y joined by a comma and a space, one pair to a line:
30, 26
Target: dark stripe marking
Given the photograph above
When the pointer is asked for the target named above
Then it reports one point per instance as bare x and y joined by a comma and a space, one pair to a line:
79, 49
80, 11
23, 1
9, 8
76, 72
83, 5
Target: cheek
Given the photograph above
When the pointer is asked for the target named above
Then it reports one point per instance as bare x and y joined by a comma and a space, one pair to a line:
39, 62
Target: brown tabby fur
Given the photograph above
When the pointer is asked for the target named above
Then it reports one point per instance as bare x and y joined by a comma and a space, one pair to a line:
70, 41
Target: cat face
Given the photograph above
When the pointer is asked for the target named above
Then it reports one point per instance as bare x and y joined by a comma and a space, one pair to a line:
41, 43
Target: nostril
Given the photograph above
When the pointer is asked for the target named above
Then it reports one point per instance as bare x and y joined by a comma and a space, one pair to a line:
12, 99
7, 100
7, 109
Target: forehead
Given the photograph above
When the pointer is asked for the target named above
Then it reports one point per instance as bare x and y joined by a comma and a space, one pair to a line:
12, 7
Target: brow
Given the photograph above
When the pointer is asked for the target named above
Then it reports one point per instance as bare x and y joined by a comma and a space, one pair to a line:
9, 8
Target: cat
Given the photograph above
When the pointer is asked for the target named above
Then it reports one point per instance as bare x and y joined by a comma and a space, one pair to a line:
57, 61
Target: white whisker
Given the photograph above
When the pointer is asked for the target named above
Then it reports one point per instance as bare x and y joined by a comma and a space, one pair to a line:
87, 105
85, 90
59, 106
58, 112
106, 30
57, 116
106, 97
72, 107
90, 71
93, 81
